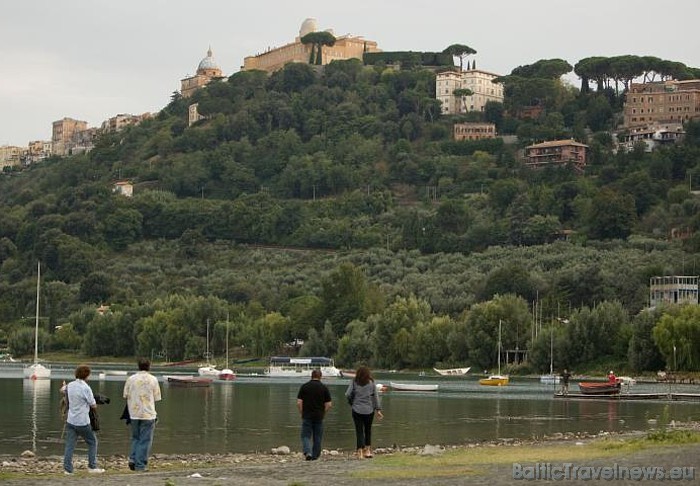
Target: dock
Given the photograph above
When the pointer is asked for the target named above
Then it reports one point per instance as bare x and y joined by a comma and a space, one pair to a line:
634, 396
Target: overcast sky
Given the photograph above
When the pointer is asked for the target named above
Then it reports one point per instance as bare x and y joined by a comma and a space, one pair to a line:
92, 59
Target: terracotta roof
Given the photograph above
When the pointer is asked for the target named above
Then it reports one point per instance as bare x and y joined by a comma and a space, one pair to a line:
558, 143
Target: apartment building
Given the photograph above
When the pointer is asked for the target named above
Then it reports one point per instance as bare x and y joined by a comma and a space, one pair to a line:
652, 136
122, 120
345, 47
473, 131
662, 102
673, 289
556, 153
479, 82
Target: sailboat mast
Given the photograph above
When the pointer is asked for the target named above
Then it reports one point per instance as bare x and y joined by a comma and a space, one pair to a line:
499, 347
36, 324
227, 339
208, 340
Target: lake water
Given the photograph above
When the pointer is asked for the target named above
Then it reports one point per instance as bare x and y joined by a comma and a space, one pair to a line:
256, 413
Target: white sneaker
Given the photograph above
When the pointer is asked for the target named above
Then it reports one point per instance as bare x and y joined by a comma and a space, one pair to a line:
67, 473
97, 470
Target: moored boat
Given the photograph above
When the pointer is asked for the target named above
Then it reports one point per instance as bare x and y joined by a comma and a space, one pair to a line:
495, 380
600, 388
227, 375
287, 367
37, 371
452, 371
189, 381
413, 386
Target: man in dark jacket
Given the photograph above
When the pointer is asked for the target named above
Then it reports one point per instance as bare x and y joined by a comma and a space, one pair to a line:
313, 401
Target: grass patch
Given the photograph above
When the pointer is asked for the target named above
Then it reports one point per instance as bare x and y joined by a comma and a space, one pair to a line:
466, 462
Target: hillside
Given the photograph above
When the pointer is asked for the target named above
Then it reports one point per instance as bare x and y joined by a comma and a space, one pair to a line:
406, 247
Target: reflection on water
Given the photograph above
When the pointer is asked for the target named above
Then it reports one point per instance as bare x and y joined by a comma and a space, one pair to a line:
36, 395
257, 414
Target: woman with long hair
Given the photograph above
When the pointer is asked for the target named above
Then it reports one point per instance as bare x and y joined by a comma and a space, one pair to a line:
364, 400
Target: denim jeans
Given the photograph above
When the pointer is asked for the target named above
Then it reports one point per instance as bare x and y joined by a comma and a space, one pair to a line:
141, 441
72, 434
311, 428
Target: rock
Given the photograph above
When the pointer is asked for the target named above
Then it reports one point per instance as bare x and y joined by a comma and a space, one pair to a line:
27, 454
334, 452
431, 450
281, 451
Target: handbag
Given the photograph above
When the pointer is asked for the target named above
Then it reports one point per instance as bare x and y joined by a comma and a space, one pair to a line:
351, 397
94, 420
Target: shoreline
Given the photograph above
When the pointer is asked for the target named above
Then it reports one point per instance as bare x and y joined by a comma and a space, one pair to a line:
31, 465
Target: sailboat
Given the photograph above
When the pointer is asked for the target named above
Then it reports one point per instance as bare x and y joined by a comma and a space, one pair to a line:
227, 374
551, 378
497, 379
208, 369
37, 371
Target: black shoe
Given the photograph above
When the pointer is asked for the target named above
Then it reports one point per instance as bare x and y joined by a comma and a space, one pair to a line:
132, 466
309, 457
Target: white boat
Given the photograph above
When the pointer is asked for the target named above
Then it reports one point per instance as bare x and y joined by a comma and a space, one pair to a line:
452, 371
287, 367
208, 369
497, 379
37, 371
412, 386
227, 374
627, 380
551, 378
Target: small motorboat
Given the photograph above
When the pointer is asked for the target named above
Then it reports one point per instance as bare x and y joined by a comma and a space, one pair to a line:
189, 381
452, 371
600, 388
413, 386
381, 387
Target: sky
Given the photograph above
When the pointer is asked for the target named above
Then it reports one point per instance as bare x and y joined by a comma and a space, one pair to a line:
93, 59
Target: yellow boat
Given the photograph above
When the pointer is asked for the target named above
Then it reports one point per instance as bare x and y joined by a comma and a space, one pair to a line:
494, 380
499, 379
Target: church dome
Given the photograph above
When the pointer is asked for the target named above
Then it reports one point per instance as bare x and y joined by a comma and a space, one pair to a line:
207, 63
308, 26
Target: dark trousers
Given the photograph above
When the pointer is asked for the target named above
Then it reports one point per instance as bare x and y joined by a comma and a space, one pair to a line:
311, 437
363, 428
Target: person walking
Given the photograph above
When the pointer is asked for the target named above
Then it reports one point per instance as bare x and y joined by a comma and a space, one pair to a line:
141, 391
364, 400
80, 400
313, 401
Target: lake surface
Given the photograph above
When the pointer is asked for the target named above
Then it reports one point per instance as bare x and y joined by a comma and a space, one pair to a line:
256, 413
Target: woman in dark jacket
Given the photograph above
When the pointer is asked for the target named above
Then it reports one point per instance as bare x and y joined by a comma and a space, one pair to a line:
364, 399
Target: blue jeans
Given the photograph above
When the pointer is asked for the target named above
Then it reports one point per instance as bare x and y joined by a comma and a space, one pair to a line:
141, 441
311, 428
72, 434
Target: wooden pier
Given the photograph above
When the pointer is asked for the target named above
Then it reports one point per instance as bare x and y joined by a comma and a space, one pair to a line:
634, 396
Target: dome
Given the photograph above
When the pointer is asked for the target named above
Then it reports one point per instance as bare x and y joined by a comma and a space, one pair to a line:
307, 26
207, 63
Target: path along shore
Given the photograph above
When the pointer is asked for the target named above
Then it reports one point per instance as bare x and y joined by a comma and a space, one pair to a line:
340, 468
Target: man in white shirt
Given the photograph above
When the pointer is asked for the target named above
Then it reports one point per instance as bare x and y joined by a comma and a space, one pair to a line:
141, 391
80, 399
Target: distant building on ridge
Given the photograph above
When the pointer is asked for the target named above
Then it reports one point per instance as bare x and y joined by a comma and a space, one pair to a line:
206, 71
345, 47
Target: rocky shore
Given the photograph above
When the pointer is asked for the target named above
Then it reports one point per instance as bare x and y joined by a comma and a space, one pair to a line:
488, 463
29, 464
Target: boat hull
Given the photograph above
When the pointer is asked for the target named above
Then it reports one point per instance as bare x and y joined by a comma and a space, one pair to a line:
413, 387
452, 371
550, 379
495, 380
37, 372
208, 371
227, 375
599, 388
189, 382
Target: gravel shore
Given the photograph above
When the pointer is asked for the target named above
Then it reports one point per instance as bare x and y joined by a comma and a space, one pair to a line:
333, 467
